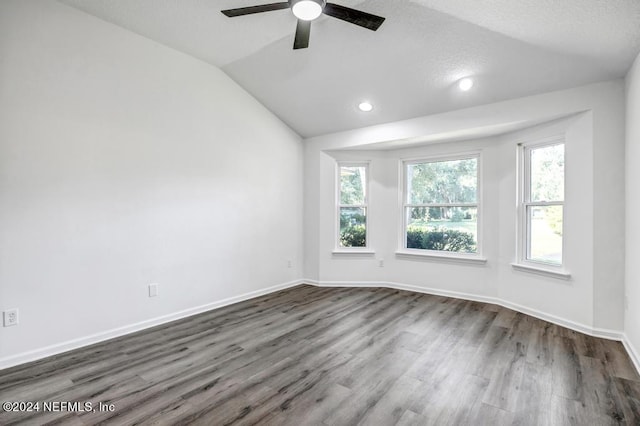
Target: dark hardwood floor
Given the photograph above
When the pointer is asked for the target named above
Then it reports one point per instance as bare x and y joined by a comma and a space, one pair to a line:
339, 356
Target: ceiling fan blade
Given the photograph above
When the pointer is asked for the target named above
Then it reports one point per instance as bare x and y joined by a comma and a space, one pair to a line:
364, 19
255, 9
303, 31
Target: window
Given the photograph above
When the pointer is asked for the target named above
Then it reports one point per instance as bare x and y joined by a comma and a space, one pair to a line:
441, 205
542, 203
352, 205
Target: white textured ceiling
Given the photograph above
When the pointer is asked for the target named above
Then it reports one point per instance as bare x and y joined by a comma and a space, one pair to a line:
407, 68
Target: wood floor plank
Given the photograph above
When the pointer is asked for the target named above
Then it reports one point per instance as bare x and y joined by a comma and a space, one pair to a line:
629, 399
394, 403
452, 399
488, 355
484, 414
312, 409
353, 410
568, 412
409, 418
599, 397
339, 356
567, 371
534, 395
540, 344
505, 382
618, 362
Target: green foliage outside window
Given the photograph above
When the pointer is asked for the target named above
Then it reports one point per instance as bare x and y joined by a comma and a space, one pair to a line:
448, 182
353, 232
442, 239
547, 173
353, 236
441, 205
352, 185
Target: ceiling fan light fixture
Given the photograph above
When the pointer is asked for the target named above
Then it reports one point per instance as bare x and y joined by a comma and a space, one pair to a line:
365, 106
307, 10
465, 84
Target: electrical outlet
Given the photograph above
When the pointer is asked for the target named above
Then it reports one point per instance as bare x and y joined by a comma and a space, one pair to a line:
289, 263
381, 263
10, 317
153, 289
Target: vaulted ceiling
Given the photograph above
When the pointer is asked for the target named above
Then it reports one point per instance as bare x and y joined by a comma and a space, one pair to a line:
409, 67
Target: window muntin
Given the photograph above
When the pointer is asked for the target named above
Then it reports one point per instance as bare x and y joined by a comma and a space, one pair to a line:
352, 205
441, 205
543, 203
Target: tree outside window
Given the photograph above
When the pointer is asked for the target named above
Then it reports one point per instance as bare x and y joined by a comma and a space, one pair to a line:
441, 205
352, 205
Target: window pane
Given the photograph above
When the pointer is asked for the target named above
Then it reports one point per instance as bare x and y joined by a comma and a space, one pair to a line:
353, 232
547, 173
443, 182
545, 230
352, 185
443, 228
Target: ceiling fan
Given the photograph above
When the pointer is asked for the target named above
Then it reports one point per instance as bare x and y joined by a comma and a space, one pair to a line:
308, 10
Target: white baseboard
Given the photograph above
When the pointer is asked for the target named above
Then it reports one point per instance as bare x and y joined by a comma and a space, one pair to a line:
58, 348
582, 328
632, 351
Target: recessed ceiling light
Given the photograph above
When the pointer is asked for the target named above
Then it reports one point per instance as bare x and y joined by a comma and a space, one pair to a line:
365, 106
308, 10
465, 84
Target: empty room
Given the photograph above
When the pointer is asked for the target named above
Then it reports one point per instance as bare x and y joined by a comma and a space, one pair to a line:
311, 212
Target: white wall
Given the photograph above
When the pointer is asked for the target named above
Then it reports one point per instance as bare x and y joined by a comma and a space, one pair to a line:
595, 143
632, 253
123, 162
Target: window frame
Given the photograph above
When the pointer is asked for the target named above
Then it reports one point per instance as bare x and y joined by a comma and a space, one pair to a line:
524, 203
338, 248
404, 205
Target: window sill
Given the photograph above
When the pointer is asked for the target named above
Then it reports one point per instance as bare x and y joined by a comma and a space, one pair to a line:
345, 252
560, 274
469, 260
